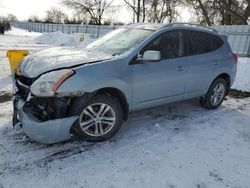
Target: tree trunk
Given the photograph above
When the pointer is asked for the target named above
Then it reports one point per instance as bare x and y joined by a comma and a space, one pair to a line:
154, 7
228, 18
138, 10
204, 12
234, 15
143, 11
246, 14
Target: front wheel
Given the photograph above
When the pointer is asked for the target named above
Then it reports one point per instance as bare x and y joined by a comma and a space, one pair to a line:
99, 119
215, 94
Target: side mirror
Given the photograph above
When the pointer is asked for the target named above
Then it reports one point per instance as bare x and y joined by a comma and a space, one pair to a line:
151, 55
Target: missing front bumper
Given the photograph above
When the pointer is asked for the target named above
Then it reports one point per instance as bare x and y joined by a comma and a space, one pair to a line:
47, 132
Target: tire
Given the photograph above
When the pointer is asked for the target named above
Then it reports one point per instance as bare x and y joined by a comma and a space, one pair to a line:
100, 118
215, 95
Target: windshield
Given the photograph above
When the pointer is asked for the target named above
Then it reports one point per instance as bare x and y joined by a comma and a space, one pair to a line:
119, 40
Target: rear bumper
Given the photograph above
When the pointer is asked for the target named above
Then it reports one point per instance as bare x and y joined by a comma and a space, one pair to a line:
47, 132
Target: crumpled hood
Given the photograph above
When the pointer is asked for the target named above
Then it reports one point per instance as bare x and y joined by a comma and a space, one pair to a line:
56, 58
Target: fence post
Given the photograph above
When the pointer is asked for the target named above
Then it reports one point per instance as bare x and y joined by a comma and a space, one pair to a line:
69, 28
248, 37
98, 30
63, 28
76, 28
86, 29
52, 27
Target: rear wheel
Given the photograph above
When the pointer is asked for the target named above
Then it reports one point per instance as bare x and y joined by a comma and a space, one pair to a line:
99, 119
215, 94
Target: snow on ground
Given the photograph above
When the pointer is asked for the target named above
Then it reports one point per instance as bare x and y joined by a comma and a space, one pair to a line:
15, 39
56, 38
178, 146
242, 80
32, 41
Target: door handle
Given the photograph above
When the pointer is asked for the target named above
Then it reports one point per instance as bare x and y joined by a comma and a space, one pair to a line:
181, 68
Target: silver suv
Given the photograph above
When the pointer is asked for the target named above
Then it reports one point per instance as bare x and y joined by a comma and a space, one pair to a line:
88, 93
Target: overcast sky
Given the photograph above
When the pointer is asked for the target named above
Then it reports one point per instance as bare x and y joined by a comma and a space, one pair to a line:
25, 8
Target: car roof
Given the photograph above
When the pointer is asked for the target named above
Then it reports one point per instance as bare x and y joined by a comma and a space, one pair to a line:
155, 27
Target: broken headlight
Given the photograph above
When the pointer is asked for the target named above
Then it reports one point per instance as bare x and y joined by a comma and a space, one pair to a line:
47, 84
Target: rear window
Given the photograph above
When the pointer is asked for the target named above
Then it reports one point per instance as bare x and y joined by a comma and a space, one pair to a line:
197, 42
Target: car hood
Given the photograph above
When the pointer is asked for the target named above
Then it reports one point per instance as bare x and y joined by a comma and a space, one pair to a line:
57, 58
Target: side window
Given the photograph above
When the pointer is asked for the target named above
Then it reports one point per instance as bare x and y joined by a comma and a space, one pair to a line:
217, 42
169, 44
197, 43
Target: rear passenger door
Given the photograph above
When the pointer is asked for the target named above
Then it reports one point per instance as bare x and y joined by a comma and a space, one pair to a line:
201, 60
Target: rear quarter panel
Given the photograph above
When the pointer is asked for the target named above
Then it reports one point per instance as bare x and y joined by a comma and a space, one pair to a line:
226, 64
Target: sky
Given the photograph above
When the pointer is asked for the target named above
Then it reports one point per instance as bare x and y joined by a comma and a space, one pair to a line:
23, 9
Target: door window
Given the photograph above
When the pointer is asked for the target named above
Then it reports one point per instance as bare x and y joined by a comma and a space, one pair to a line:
169, 44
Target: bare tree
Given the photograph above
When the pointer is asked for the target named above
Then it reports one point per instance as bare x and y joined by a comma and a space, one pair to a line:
204, 10
79, 17
94, 8
228, 12
12, 18
163, 9
237, 12
55, 15
34, 18
139, 9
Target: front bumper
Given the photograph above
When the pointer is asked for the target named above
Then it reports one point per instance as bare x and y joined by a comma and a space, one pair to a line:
47, 132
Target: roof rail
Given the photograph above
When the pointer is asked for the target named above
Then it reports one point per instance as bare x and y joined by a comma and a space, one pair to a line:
192, 24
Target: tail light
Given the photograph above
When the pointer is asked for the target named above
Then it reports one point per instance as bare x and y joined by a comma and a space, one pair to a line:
235, 57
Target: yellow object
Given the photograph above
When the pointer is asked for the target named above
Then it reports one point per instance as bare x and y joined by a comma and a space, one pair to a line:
15, 57
81, 38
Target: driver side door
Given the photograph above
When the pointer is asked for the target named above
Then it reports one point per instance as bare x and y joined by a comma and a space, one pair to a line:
156, 83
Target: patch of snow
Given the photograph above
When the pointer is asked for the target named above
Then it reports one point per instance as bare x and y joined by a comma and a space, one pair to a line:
242, 80
209, 149
87, 40
15, 39
5, 83
21, 32
56, 38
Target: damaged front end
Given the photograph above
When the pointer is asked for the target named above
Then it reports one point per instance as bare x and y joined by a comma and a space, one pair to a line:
44, 119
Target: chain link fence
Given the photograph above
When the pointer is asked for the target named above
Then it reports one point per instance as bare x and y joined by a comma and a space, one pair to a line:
238, 35
93, 30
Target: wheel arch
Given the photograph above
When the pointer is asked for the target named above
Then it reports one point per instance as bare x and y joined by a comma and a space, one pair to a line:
226, 77
119, 95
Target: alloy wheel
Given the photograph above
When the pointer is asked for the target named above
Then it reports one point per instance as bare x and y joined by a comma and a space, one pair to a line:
217, 94
97, 119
